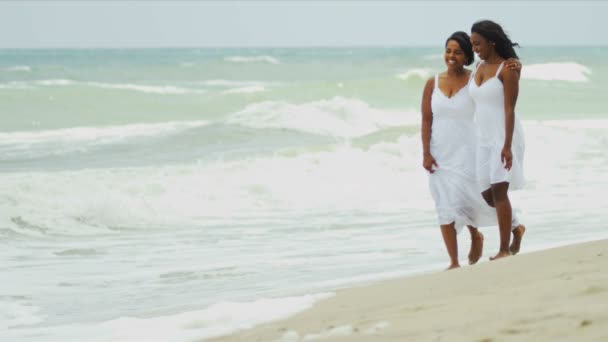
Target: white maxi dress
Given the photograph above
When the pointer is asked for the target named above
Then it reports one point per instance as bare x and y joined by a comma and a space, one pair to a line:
453, 144
489, 101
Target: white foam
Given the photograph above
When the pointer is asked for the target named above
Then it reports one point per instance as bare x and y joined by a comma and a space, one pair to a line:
377, 327
233, 83
179, 195
68, 140
564, 71
25, 68
339, 331
17, 313
245, 90
340, 117
15, 85
383, 176
578, 124
252, 59
420, 73
217, 320
150, 89
82, 134
54, 82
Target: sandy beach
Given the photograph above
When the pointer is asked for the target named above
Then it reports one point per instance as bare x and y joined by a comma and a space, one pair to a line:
558, 294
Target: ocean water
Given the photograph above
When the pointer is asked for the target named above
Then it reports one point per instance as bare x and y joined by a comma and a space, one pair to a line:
178, 194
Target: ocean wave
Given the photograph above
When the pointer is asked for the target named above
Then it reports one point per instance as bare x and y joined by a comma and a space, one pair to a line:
252, 59
55, 82
23, 68
217, 320
15, 85
78, 139
339, 117
245, 90
87, 201
420, 73
343, 176
564, 71
150, 89
187, 64
233, 83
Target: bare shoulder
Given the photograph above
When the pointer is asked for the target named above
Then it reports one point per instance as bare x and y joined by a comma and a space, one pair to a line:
509, 74
430, 83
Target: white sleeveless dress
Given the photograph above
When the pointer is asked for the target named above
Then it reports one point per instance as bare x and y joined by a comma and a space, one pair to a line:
453, 144
489, 101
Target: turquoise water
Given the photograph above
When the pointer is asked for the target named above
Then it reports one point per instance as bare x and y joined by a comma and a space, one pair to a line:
167, 188
65, 88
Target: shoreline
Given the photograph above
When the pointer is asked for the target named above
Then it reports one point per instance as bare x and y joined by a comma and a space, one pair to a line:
554, 294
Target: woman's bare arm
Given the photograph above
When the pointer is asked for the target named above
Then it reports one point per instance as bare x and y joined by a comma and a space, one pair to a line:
427, 122
511, 91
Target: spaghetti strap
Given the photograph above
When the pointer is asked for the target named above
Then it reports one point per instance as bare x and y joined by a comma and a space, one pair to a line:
436, 81
476, 68
499, 68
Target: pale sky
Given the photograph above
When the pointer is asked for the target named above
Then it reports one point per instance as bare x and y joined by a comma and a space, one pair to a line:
38, 24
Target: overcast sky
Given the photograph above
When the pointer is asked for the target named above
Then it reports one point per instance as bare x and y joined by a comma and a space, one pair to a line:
35, 24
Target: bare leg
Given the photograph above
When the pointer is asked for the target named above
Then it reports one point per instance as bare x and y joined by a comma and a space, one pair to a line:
504, 213
487, 196
451, 244
518, 233
476, 245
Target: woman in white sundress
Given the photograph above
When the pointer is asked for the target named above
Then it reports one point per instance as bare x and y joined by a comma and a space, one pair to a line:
500, 153
449, 148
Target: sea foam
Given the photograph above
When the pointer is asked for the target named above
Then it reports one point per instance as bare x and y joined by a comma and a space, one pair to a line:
420, 73
252, 59
217, 320
339, 117
564, 71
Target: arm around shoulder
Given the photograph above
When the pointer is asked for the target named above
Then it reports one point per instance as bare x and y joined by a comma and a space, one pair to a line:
510, 80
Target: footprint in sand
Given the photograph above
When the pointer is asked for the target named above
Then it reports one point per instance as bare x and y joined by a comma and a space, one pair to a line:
593, 290
512, 331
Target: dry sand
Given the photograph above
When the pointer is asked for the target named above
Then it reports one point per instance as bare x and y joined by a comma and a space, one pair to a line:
559, 294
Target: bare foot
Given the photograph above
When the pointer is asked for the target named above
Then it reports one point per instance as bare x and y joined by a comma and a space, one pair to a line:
452, 266
476, 248
500, 255
518, 233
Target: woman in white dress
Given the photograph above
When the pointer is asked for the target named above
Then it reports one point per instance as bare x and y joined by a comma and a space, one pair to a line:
449, 147
500, 153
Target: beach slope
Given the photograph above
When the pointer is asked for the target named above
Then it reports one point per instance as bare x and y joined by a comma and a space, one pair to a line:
559, 294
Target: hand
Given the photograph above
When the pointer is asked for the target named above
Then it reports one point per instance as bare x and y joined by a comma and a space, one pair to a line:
428, 161
513, 64
506, 157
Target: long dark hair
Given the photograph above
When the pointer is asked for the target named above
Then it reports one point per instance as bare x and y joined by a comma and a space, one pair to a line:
463, 39
494, 33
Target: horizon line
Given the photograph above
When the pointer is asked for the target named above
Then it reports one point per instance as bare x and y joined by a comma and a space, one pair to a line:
396, 46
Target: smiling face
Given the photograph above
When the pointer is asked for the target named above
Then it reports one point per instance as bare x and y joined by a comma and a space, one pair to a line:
481, 46
454, 55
